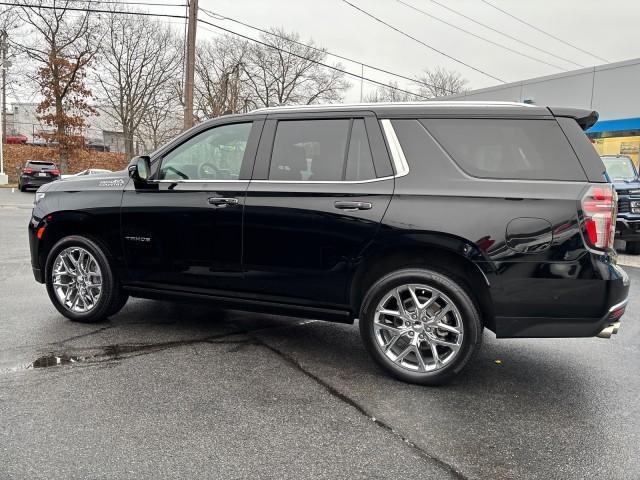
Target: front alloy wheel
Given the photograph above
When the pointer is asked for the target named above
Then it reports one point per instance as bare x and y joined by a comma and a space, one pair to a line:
80, 280
77, 279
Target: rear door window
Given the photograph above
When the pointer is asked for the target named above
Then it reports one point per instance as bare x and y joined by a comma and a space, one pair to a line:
309, 150
359, 164
508, 148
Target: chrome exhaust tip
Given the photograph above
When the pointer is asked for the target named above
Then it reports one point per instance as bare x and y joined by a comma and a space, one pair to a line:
606, 332
616, 327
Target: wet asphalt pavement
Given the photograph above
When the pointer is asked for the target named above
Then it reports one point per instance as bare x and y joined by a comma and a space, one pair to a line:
183, 390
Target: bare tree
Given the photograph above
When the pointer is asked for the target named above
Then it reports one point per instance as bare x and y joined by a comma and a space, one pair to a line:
440, 82
286, 72
139, 60
431, 84
63, 45
221, 86
162, 121
390, 93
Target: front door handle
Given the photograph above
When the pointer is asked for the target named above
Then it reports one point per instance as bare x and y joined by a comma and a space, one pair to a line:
353, 205
221, 201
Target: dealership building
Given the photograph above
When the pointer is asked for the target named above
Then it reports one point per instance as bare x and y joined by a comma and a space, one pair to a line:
613, 90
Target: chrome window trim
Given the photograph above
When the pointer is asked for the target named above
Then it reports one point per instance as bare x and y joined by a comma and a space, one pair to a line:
302, 182
199, 181
397, 154
335, 182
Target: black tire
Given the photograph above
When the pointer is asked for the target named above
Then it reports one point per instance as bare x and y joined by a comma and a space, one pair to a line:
21, 187
108, 298
456, 293
119, 302
632, 248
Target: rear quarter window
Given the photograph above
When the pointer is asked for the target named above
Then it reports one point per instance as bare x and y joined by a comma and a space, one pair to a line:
508, 148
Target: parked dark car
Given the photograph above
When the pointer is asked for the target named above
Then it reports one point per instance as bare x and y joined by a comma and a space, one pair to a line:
622, 172
97, 145
36, 173
427, 222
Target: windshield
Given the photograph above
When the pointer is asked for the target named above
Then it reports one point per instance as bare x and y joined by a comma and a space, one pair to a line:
620, 168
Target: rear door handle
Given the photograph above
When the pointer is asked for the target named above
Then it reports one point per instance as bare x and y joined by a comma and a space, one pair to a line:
221, 201
353, 205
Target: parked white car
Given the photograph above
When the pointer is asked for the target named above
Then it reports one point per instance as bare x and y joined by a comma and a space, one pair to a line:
89, 171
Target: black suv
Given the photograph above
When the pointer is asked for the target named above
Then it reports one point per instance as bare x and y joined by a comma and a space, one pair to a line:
427, 222
36, 173
622, 172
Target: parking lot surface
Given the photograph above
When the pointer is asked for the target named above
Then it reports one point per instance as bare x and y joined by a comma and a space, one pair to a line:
184, 390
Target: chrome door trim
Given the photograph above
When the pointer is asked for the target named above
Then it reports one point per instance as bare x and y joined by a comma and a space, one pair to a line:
397, 154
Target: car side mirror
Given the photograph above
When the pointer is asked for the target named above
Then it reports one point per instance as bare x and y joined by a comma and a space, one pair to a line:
139, 169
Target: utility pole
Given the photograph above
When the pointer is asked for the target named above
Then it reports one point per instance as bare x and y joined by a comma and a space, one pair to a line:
3, 103
191, 58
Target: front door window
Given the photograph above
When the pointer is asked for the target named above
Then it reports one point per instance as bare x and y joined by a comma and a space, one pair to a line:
215, 154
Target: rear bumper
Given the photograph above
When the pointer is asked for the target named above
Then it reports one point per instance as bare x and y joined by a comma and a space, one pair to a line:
36, 182
537, 327
614, 285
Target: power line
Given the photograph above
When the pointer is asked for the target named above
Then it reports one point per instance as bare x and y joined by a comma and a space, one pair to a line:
542, 31
218, 16
515, 39
422, 43
91, 10
225, 30
117, 2
288, 52
479, 36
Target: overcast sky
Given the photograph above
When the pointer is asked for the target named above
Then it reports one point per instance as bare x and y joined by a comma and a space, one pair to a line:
610, 30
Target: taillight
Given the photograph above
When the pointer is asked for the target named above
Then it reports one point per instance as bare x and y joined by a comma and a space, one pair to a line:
599, 206
55, 172
27, 170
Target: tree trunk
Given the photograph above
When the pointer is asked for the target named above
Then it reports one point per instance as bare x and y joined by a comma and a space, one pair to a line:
62, 147
128, 143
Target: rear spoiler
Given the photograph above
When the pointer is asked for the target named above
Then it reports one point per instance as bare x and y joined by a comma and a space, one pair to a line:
585, 118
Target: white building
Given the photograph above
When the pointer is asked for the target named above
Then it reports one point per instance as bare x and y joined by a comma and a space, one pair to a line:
103, 128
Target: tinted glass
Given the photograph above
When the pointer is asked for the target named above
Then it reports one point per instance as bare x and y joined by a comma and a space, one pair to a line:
36, 164
309, 150
619, 168
502, 148
359, 160
215, 154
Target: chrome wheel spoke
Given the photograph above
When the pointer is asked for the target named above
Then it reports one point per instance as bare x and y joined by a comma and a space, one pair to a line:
436, 357
445, 343
401, 309
432, 300
393, 313
422, 367
414, 298
448, 328
392, 342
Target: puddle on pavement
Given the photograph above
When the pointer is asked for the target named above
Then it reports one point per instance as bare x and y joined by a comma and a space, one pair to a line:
55, 361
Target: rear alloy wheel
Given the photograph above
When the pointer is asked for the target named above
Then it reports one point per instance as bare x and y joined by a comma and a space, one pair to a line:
79, 280
420, 325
